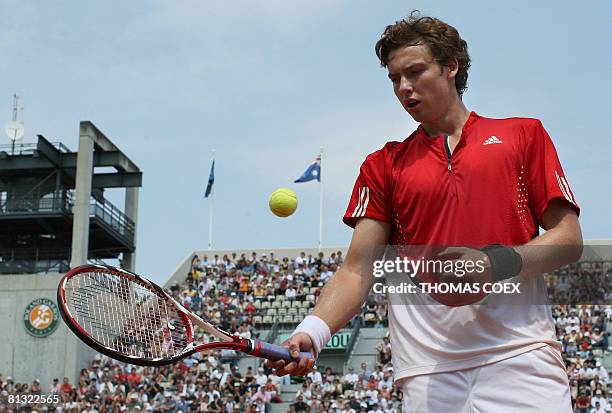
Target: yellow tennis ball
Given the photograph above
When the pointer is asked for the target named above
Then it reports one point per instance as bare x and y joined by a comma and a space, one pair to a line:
283, 202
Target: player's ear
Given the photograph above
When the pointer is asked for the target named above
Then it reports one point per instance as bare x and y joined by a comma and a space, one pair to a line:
452, 68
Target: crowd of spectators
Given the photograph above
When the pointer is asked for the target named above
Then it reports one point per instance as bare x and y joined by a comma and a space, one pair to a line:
581, 295
236, 292
583, 331
588, 283
200, 383
367, 390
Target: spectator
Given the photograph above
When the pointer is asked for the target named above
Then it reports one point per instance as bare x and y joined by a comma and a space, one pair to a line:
169, 405
597, 408
65, 387
54, 388
598, 399
583, 403
350, 379
300, 405
261, 379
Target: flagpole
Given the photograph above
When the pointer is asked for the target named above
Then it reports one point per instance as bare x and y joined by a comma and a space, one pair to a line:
321, 202
210, 211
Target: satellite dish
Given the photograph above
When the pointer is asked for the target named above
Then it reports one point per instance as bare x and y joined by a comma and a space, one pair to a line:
14, 130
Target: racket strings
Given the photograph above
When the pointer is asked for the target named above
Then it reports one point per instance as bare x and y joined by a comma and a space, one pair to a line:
125, 316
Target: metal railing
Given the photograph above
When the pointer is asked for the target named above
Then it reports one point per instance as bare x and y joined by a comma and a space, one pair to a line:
29, 148
113, 218
39, 260
34, 260
354, 334
272, 333
35, 202
38, 202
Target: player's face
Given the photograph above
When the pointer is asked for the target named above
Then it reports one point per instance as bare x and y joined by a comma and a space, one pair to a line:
424, 89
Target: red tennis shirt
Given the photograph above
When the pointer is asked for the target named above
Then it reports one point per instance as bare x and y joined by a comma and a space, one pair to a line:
493, 188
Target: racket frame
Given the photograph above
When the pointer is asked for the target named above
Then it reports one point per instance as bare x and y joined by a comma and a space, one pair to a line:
231, 342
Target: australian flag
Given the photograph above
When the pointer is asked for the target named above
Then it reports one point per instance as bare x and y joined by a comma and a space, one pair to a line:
313, 172
211, 180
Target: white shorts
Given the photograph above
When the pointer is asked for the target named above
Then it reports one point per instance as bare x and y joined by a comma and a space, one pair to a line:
532, 382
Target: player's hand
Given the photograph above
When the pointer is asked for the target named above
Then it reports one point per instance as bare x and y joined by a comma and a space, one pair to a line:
477, 271
295, 344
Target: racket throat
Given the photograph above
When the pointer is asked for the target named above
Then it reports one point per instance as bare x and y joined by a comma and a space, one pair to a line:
253, 347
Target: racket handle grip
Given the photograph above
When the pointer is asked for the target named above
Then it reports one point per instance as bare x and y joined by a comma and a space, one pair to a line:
275, 352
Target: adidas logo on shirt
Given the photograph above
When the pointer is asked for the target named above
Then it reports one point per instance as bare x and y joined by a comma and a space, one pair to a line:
492, 140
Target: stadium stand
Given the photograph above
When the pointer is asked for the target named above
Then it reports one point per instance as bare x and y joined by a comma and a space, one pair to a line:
261, 295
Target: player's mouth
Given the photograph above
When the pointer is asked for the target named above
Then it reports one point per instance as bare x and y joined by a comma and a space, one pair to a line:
411, 103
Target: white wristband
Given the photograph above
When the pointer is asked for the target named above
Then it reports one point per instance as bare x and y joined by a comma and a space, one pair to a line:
317, 330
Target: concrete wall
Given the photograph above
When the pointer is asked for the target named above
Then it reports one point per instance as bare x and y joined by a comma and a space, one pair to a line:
25, 357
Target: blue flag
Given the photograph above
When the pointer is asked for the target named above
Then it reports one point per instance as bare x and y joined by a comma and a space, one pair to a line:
211, 180
313, 172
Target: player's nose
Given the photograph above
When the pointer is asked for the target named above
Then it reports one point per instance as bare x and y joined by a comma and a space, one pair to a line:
405, 87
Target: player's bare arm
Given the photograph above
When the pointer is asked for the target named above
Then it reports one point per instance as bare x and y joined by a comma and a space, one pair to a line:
560, 245
344, 294
346, 291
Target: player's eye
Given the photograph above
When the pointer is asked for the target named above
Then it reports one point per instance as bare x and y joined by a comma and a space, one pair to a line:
414, 72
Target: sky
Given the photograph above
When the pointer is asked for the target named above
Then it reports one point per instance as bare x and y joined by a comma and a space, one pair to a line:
266, 84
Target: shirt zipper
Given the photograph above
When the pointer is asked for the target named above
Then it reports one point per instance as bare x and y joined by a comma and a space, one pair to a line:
449, 167
448, 153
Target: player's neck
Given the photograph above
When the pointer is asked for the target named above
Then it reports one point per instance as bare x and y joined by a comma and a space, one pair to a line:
451, 123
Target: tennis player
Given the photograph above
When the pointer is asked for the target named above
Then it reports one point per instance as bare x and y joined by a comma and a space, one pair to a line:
464, 180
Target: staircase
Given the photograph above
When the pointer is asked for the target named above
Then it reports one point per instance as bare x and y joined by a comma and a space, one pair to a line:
364, 350
288, 392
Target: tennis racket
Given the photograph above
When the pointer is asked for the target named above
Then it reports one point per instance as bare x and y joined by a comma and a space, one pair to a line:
131, 319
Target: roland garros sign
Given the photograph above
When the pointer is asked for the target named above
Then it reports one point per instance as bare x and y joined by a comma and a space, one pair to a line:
41, 317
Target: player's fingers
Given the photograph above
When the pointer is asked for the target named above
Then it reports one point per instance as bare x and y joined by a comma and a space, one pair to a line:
288, 369
311, 364
294, 348
449, 255
303, 365
275, 364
